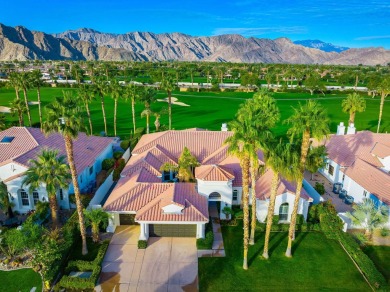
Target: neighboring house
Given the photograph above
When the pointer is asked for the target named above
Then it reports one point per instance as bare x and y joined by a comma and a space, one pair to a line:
150, 197
20, 144
361, 163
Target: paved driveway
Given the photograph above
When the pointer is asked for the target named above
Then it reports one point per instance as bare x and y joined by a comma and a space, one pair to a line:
168, 264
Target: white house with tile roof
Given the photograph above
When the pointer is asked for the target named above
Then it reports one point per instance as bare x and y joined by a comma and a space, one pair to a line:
151, 198
20, 144
361, 163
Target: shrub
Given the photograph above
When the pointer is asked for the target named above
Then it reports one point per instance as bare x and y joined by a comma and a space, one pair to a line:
125, 144
319, 187
119, 166
300, 219
118, 154
275, 219
385, 232
142, 244
227, 211
207, 242
108, 163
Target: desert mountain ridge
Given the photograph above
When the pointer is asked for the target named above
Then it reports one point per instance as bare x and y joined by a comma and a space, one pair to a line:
88, 44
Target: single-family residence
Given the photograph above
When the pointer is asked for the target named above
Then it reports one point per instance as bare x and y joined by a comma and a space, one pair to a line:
153, 198
360, 163
18, 145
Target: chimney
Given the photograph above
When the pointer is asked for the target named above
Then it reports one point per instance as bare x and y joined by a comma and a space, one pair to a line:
351, 129
341, 129
224, 127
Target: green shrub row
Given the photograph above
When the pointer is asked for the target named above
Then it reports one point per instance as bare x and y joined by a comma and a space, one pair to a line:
108, 163
118, 154
142, 244
83, 283
305, 227
125, 144
207, 242
120, 165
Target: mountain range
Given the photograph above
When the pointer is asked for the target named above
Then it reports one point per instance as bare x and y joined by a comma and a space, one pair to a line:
317, 44
88, 44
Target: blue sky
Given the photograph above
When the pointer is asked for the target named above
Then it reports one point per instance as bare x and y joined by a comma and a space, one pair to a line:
353, 23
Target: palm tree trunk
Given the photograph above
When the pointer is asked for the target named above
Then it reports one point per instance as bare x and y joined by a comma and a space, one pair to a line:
69, 152
39, 106
89, 118
299, 181
53, 210
245, 199
253, 191
147, 124
27, 106
95, 232
104, 113
115, 110
157, 124
17, 94
133, 112
170, 109
271, 211
351, 117
380, 111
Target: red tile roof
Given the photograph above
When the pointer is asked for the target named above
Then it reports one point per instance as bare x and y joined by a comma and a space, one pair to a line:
381, 150
29, 142
372, 179
214, 173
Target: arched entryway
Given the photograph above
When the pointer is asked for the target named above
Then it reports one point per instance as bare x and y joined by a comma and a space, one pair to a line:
214, 196
283, 212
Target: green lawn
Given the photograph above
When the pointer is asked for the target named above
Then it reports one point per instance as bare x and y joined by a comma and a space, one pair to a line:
20, 280
208, 110
380, 255
317, 264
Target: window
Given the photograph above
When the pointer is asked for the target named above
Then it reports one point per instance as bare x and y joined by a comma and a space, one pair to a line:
24, 197
35, 197
166, 175
283, 212
61, 195
331, 169
91, 170
235, 195
365, 193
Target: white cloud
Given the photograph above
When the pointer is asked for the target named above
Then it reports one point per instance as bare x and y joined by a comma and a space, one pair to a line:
373, 37
254, 31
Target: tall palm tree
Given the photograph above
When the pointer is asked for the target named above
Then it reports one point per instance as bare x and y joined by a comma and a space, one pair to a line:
283, 159
116, 91
133, 93
25, 84
14, 81
384, 90
64, 116
148, 97
352, 104
2, 122
168, 84
5, 203
50, 170
95, 218
101, 87
36, 81
18, 107
87, 95
308, 120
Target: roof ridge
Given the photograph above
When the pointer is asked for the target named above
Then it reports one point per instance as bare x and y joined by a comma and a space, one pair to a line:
213, 154
196, 209
147, 145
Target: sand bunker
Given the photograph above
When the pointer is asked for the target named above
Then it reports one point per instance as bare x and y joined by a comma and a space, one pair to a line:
4, 109
174, 101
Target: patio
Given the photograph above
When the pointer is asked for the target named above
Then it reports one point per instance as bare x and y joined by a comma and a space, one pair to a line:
339, 204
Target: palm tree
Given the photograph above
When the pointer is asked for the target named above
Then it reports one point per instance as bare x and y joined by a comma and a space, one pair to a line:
36, 81
116, 91
352, 104
187, 163
50, 170
384, 90
316, 159
25, 84
87, 95
237, 148
148, 97
95, 218
18, 107
168, 84
308, 120
64, 116
133, 92
101, 87
283, 160
368, 216
5, 204
2, 122
157, 115
14, 81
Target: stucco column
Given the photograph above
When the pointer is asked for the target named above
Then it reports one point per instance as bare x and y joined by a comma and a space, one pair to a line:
200, 230
144, 231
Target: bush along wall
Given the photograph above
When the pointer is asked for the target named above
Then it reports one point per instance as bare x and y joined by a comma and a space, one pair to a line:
207, 242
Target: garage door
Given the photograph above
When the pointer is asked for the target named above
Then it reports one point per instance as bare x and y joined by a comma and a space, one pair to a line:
127, 219
172, 230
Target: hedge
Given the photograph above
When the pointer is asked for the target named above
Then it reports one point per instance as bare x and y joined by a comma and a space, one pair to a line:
119, 166
125, 144
207, 242
142, 244
108, 163
118, 154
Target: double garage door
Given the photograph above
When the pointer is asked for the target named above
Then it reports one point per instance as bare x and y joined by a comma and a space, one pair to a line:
172, 230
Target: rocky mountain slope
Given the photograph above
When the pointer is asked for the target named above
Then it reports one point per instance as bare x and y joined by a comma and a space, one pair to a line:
87, 44
317, 44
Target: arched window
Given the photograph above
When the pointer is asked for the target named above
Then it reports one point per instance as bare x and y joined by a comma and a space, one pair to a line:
24, 198
214, 196
35, 197
283, 212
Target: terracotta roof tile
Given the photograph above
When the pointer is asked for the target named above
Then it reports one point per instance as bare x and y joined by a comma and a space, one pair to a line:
214, 173
381, 150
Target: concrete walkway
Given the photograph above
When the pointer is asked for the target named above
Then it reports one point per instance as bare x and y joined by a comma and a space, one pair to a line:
167, 264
